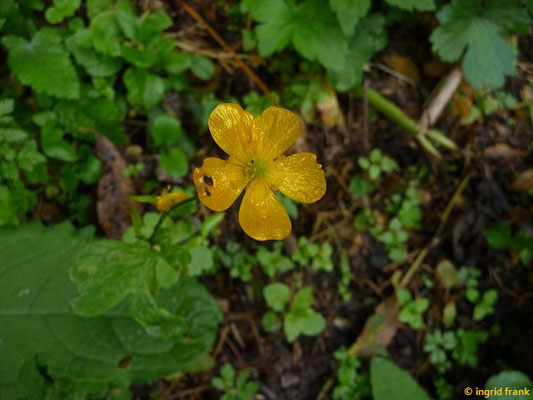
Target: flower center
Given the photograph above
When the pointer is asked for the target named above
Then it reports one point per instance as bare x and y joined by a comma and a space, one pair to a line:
258, 168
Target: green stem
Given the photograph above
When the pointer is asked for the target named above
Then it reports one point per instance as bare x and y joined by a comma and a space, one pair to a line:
396, 114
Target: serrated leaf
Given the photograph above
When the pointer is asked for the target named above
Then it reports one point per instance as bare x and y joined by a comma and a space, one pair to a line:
349, 12
489, 56
43, 64
317, 35
409, 5
370, 37
82, 355
202, 67
390, 382
311, 26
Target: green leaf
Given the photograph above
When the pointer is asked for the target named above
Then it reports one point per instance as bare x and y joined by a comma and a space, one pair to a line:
275, 29
389, 382
201, 260
317, 35
95, 63
106, 272
277, 295
313, 323
144, 88
61, 10
370, 37
202, 67
7, 211
271, 321
54, 146
464, 25
95, 7
174, 162
105, 33
409, 5
311, 27
84, 357
349, 12
165, 130
211, 222
43, 64
499, 236
511, 380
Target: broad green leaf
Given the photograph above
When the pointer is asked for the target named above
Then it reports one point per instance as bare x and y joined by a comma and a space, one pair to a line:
276, 25
370, 37
84, 357
511, 380
165, 130
277, 295
95, 7
211, 222
61, 9
7, 211
43, 64
144, 88
106, 272
311, 26
174, 162
465, 25
409, 5
390, 382
317, 35
95, 63
313, 323
349, 12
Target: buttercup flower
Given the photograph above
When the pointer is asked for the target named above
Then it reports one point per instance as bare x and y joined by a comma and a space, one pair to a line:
167, 200
256, 146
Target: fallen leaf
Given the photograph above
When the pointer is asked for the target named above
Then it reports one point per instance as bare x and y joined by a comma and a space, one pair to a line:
524, 183
501, 150
328, 105
403, 65
113, 205
379, 329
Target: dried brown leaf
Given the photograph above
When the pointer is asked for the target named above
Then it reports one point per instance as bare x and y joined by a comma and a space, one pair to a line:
114, 189
379, 329
524, 183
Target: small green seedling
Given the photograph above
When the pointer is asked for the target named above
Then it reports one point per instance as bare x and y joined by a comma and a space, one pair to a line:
352, 384
298, 315
273, 261
376, 164
500, 237
412, 310
234, 386
436, 345
484, 303
133, 170
346, 277
467, 343
318, 257
239, 262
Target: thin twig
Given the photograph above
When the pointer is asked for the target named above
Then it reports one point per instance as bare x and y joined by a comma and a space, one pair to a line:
192, 12
434, 241
442, 96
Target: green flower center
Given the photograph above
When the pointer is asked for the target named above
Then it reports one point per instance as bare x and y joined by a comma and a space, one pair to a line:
258, 168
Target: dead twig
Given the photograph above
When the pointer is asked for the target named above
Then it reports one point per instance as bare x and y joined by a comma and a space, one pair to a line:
192, 12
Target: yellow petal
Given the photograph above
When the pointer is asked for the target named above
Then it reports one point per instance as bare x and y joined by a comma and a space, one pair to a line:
231, 128
262, 216
274, 131
299, 177
219, 182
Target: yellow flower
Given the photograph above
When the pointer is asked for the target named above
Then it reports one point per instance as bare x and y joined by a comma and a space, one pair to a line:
167, 200
256, 146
